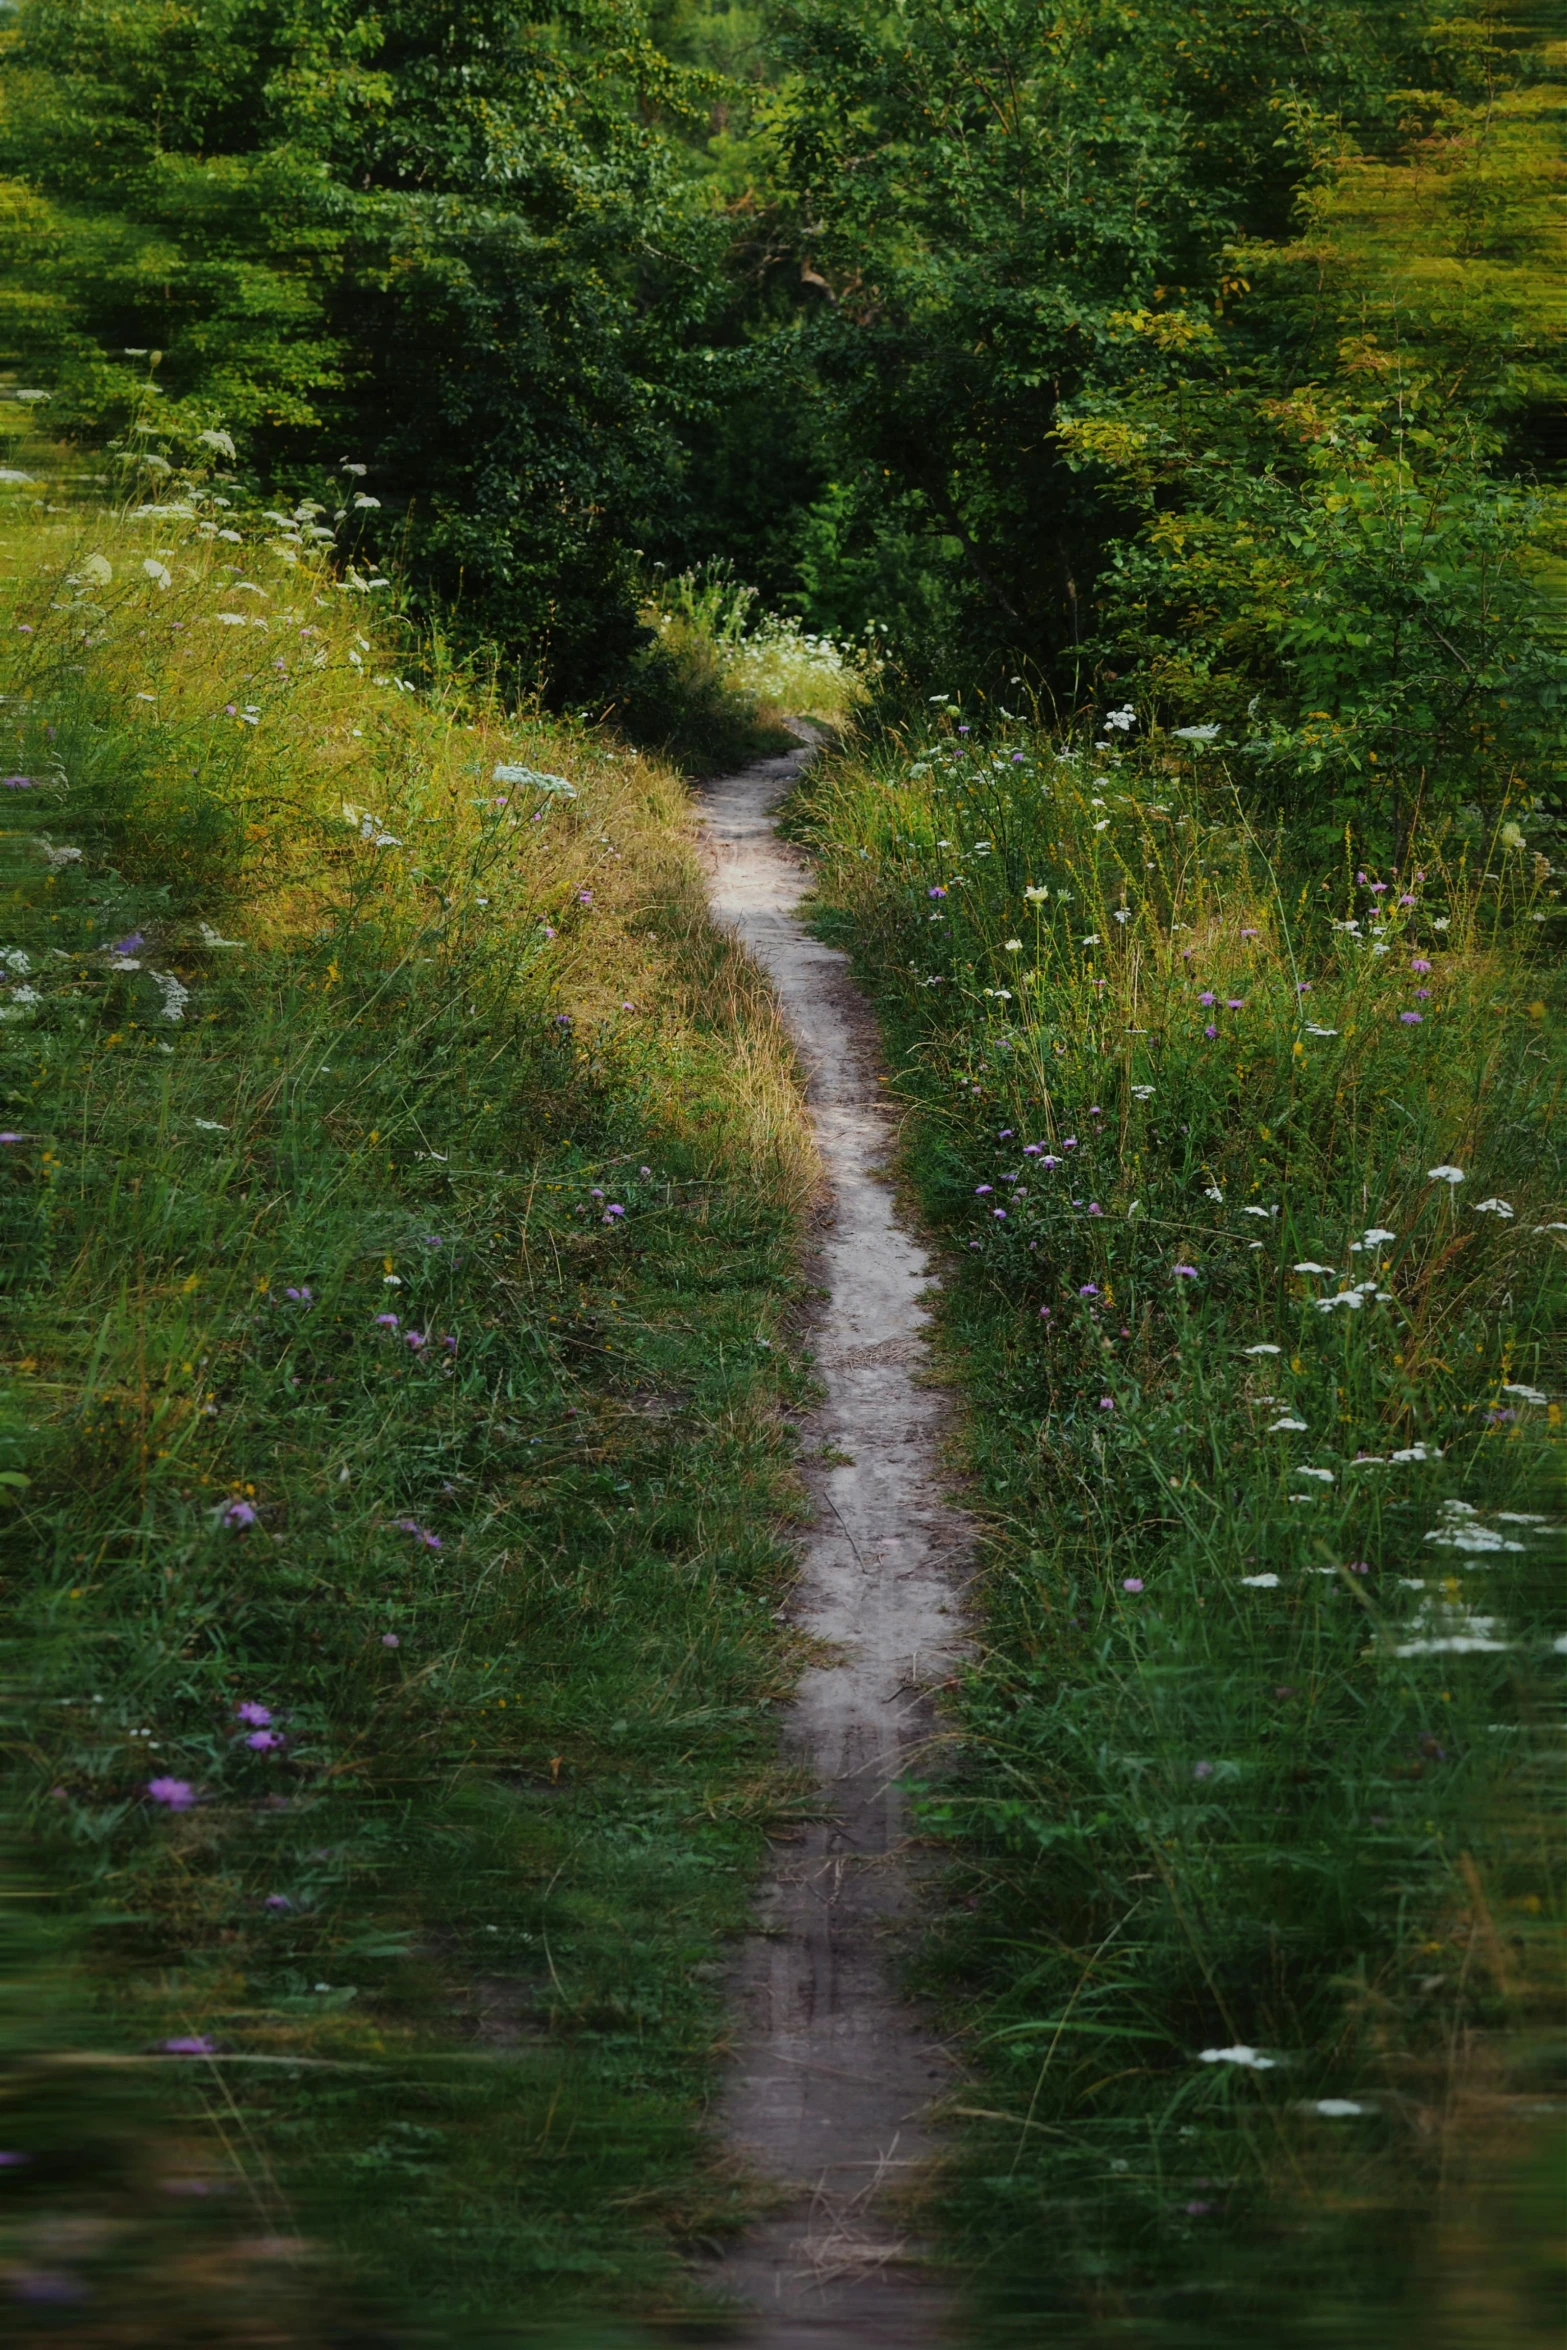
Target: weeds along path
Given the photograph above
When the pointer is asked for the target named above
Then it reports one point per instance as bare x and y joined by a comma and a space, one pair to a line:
834, 2075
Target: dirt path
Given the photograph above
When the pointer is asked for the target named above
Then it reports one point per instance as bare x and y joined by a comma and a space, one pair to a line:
833, 2073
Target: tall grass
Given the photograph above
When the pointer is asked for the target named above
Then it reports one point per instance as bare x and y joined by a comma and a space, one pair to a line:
719, 681
1253, 1178
401, 1185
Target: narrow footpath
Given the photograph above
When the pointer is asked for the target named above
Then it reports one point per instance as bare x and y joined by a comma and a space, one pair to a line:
834, 2075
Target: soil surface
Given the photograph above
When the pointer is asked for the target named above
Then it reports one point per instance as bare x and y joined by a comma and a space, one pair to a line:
834, 2073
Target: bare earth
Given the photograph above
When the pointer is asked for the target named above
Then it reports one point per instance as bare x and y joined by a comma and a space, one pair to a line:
834, 2074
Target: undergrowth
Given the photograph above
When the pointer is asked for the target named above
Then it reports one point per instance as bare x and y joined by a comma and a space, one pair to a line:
717, 682
1252, 1176
401, 1181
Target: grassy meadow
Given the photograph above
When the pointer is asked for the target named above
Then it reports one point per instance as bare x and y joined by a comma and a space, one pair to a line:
1250, 1179
401, 1189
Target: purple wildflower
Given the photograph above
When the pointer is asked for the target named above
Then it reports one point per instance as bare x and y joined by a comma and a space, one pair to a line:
1377, 887
19, 782
1202, 1770
584, 897
1419, 963
1031, 1150
1133, 1583
1248, 934
1411, 1019
300, 1297
448, 1340
258, 1716
386, 1321
239, 1513
981, 1189
128, 945
1001, 1212
1089, 1289
178, 1794
263, 1741
194, 2044
1235, 1003
277, 1903
390, 1640
1207, 996
45, 2284
1107, 1403
1210, 1030
613, 1211
417, 1339
937, 892
1422, 995
1094, 1209
1186, 1272
12, 1137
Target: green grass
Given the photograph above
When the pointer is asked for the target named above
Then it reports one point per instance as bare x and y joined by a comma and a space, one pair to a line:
1259, 1750
401, 1222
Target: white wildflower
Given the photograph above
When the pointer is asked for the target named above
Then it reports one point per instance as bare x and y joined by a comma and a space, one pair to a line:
1275, 1425
1492, 1207
1323, 1476
1444, 1174
1250, 2058
1261, 1582
174, 993
213, 438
